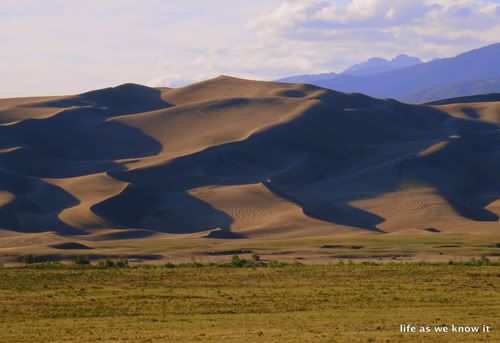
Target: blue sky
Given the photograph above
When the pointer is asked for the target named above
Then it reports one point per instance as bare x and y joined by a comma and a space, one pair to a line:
64, 47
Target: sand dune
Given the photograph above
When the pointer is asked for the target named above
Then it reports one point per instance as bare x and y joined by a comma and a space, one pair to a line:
483, 111
233, 158
186, 129
80, 215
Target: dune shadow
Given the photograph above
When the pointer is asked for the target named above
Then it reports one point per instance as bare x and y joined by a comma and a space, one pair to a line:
128, 98
464, 172
81, 134
339, 213
313, 151
81, 141
470, 112
35, 207
77, 141
269, 154
171, 213
70, 246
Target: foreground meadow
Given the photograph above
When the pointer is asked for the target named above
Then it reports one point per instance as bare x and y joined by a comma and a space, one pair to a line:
319, 303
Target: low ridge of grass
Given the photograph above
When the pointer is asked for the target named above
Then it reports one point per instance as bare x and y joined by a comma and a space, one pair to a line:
235, 262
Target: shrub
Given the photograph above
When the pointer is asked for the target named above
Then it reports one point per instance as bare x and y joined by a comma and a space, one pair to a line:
28, 259
48, 265
193, 264
236, 261
146, 266
168, 265
122, 263
107, 263
255, 257
483, 261
80, 260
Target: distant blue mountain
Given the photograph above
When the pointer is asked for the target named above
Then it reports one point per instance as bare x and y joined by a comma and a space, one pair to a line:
479, 64
374, 65
469, 73
307, 78
454, 91
377, 65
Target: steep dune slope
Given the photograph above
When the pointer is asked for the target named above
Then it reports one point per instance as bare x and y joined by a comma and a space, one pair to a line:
254, 159
185, 129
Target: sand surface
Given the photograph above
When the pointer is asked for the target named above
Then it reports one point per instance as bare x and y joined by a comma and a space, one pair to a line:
237, 159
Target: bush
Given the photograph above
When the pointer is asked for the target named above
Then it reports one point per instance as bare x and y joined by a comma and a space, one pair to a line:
236, 261
81, 261
193, 264
145, 266
107, 263
122, 263
28, 259
168, 265
255, 257
49, 265
483, 261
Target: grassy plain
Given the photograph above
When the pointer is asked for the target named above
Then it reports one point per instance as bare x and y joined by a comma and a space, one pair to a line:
317, 303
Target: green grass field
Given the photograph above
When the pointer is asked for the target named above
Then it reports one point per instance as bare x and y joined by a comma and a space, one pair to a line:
319, 303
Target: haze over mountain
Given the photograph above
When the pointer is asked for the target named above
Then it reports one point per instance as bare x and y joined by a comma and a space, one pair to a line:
233, 158
378, 65
307, 78
473, 72
456, 90
374, 65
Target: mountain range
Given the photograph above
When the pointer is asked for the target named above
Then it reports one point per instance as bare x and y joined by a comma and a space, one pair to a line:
377, 65
473, 72
374, 65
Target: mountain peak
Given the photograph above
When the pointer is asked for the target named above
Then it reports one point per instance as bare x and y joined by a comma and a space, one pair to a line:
423, 82
377, 65
403, 60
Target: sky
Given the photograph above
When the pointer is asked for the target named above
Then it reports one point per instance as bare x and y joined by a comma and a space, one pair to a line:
57, 47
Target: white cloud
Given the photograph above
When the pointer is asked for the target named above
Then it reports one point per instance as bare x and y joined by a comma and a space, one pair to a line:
427, 28
293, 17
